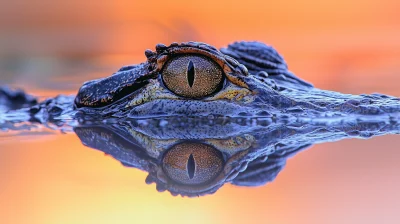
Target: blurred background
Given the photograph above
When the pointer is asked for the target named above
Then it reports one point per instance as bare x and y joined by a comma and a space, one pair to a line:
51, 47
348, 45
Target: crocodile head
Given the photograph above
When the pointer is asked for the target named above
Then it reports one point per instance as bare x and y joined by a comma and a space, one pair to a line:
194, 79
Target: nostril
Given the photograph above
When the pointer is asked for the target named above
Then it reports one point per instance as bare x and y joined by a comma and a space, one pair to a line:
190, 166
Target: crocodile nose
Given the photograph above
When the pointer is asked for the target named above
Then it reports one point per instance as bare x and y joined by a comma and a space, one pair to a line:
85, 98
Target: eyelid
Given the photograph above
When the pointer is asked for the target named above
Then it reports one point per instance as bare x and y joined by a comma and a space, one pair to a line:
232, 69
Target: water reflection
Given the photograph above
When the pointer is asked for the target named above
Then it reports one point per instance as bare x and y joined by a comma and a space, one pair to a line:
197, 156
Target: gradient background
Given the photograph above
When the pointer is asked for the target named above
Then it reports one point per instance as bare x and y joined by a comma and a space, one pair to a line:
51, 47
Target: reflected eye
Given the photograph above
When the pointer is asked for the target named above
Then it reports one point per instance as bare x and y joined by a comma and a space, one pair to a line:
192, 163
192, 76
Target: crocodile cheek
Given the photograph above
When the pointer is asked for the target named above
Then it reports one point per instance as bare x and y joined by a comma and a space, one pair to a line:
192, 76
192, 163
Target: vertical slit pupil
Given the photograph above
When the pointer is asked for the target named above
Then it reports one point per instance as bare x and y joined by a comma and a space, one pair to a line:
191, 166
190, 73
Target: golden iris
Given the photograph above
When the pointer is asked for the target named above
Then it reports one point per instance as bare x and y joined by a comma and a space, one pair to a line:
192, 76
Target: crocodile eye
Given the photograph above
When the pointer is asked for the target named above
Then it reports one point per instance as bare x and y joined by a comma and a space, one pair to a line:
192, 163
192, 76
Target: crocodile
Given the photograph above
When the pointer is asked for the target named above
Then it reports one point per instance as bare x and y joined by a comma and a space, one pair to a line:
195, 117
245, 79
